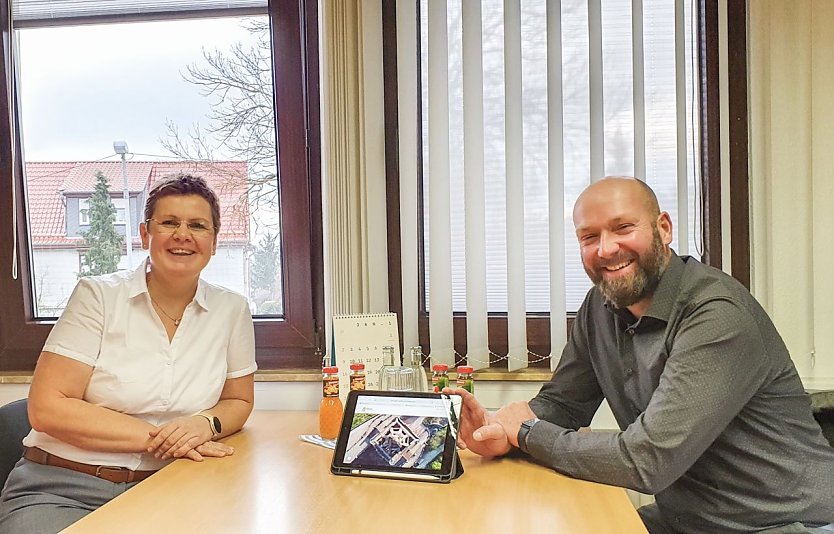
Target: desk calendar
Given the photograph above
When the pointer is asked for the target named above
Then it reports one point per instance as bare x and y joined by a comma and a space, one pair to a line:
359, 339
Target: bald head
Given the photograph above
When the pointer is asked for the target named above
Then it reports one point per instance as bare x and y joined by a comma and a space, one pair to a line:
612, 188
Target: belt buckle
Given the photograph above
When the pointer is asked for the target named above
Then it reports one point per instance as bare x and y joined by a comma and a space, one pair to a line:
101, 469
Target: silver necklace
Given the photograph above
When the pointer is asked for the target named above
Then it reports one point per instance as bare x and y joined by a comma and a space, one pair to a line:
160, 308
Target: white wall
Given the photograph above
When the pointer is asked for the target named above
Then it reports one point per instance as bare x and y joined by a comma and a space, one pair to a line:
493, 394
10, 392
307, 395
56, 273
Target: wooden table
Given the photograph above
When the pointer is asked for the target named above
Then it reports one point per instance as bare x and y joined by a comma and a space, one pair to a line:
276, 483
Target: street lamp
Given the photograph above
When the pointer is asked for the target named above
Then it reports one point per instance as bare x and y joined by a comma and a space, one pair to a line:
121, 148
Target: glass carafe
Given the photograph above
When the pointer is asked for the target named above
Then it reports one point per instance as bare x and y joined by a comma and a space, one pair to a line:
415, 361
390, 368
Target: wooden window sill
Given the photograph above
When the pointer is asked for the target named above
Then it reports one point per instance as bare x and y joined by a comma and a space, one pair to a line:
314, 375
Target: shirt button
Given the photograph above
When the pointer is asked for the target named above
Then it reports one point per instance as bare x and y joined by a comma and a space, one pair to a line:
630, 331
168, 364
165, 403
629, 371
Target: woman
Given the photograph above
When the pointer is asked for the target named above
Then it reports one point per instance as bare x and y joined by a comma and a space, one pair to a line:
141, 368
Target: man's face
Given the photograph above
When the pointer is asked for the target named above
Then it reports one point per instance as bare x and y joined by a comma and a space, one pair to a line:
634, 284
624, 245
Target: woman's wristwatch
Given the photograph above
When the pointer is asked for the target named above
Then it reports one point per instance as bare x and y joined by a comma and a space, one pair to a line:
214, 423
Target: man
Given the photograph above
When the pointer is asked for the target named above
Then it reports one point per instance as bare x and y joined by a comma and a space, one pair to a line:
714, 419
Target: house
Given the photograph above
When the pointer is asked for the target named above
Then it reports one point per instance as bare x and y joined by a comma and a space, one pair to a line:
58, 195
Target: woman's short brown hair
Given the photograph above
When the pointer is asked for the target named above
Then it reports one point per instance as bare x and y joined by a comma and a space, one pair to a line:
183, 184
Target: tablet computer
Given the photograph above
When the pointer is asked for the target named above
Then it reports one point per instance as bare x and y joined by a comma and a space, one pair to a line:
399, 434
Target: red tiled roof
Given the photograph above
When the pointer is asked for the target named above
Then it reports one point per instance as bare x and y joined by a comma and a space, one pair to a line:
81, 178
45, 202
47, 183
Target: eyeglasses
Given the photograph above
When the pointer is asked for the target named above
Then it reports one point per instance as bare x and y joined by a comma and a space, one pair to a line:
170, 226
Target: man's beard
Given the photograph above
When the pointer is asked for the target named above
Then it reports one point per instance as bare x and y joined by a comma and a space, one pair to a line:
623, 291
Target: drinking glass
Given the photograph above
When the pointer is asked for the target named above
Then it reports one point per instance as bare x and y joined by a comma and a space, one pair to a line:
397, 378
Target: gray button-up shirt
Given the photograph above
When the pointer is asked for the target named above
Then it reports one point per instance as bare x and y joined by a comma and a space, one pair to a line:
714, 419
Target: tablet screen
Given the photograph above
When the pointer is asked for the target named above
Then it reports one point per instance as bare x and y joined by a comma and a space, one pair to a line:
400, 432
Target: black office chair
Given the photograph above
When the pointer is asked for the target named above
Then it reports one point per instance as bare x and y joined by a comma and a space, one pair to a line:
822, 405
14, 425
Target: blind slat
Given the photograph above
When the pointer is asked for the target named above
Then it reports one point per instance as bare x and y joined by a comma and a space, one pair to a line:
680, 108
516, 308
639, 94
595, 77
407, 84
556, 183
440, 241
477, 335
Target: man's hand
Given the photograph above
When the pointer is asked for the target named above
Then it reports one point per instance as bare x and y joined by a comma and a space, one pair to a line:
479, 431
179, 436
510, 418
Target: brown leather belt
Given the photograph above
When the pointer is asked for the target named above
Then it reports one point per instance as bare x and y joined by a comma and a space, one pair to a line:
105, 472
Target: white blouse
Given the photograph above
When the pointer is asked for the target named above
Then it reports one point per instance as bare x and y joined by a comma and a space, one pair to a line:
109, 324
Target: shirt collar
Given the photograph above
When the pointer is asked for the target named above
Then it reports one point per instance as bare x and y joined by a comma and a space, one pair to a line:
139, 284
200, 297
666, 293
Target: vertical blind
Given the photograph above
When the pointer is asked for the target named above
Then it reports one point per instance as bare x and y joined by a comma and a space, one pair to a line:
523, 104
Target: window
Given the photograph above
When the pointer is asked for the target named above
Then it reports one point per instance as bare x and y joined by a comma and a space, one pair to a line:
84, 210
163, 96
516, 99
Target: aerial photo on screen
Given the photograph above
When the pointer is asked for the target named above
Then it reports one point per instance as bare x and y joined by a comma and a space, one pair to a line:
397, 441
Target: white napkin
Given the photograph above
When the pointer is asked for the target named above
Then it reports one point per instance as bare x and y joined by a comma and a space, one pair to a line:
318, 440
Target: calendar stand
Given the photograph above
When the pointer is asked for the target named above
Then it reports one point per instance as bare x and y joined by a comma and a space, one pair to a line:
359, 338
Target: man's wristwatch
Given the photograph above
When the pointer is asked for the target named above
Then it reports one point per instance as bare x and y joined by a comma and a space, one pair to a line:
214, 423
524, 431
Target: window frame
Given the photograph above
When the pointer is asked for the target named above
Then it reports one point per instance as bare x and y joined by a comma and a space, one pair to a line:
291, 341
538, 324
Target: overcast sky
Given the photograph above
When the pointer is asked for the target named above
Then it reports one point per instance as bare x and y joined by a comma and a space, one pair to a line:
84, 87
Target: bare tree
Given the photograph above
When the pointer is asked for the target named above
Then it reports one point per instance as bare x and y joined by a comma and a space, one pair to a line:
242, 118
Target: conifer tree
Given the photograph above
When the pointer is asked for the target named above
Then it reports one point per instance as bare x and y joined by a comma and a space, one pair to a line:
104, 241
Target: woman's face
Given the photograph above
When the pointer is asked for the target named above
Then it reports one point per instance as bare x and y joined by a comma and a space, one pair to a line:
180, 236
